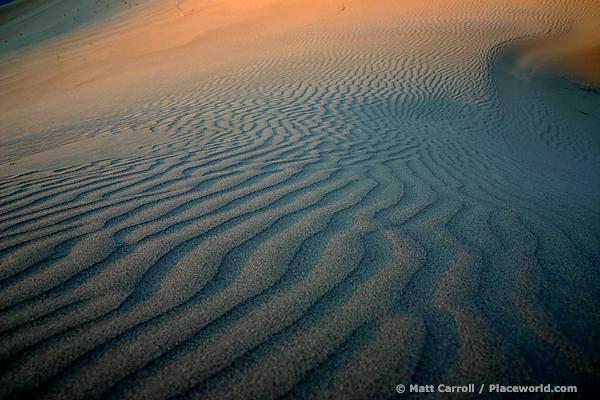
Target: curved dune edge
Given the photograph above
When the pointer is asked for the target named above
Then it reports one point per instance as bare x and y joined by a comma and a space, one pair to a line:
577, 50
297, 199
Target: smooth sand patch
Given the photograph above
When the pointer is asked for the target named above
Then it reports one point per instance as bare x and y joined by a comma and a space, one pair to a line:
577, 50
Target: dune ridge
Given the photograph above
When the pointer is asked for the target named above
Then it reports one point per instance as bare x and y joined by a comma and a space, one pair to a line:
357, 195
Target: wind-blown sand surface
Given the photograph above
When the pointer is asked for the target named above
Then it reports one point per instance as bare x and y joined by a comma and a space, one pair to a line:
297, 199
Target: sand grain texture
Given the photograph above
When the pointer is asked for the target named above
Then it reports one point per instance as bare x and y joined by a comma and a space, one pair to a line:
269, 199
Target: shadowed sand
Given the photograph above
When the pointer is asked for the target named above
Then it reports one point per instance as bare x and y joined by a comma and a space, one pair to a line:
227, 199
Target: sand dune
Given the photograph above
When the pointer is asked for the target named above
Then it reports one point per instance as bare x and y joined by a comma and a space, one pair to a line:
297, 199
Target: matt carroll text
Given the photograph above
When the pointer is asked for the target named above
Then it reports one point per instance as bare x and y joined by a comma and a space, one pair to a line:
441, 388
470, 388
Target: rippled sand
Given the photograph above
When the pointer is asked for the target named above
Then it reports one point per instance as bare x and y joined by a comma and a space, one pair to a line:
271, 199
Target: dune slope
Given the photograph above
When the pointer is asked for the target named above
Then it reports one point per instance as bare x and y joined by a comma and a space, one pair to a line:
298, 199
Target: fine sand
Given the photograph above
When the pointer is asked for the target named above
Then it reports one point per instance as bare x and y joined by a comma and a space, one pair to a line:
298, 199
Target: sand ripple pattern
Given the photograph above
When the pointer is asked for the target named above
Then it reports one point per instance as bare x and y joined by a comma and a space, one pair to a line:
323, 224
